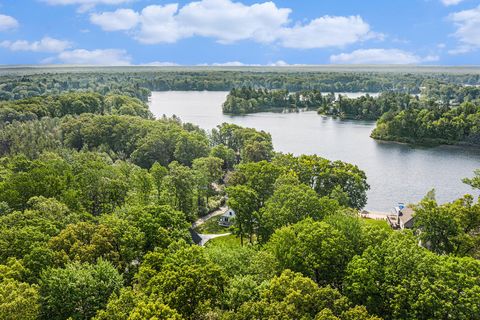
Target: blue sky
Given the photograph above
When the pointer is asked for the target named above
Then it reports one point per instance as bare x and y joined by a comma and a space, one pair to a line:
226, 32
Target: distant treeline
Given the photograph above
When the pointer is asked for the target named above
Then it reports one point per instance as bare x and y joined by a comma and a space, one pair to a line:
20, 84
449, 93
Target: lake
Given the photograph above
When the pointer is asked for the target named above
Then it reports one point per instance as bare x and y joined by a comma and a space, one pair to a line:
396, 172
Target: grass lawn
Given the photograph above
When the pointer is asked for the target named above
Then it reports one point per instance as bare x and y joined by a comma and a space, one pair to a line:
211, 227
378, 223
230, 241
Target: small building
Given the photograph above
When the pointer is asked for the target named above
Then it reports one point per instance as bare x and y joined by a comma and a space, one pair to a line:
226, 220
401, 217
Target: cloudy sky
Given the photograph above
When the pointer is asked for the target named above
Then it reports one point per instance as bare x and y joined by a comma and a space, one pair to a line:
227, 32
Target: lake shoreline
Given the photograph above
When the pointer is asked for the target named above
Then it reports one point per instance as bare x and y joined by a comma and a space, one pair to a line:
429, 143
396, 172
272, 110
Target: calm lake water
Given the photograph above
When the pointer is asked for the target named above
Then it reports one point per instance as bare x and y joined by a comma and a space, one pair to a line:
395, 172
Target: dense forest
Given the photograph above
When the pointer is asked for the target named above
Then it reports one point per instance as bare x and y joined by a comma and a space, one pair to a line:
73, 103
432, 125
248, 100
367, 107
449, 93
97, 200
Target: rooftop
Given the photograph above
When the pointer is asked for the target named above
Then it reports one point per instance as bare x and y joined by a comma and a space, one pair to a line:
401, 218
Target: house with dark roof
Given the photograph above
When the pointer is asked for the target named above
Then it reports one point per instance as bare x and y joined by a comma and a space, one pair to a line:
401, 217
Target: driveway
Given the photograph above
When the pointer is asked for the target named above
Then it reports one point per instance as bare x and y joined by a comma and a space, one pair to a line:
206, 237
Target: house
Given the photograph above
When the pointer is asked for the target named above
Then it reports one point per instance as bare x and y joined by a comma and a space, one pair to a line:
226, 220
401, 217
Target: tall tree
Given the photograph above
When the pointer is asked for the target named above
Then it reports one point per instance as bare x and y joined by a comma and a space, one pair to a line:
181, 275
290, 203
78, 290
180, 184
451, 228
314, 248
244, 201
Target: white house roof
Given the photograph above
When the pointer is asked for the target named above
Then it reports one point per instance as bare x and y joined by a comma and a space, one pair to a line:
228, 213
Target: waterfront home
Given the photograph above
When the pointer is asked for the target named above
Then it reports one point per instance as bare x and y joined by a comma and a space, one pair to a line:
226, 220
401, 217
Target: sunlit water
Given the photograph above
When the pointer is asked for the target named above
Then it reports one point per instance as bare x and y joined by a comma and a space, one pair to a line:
395, 172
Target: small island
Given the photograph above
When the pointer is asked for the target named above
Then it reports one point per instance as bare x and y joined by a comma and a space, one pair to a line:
249, 100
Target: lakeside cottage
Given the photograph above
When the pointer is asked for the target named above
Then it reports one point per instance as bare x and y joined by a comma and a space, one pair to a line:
226, 220
401, 217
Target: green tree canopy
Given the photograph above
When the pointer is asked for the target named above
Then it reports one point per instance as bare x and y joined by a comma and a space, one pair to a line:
313, 248
78, 290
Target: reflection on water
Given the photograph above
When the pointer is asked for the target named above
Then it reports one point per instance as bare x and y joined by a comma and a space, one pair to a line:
396, 172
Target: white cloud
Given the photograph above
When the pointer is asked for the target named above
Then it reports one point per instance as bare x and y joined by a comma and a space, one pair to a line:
467, 23
121, 19
380, 56
228, 22
7, 22
158, 25
279, 63
85, 4
223, 20
106, 57
327, 31
229, 64
46, 44
161, 64
451, 2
